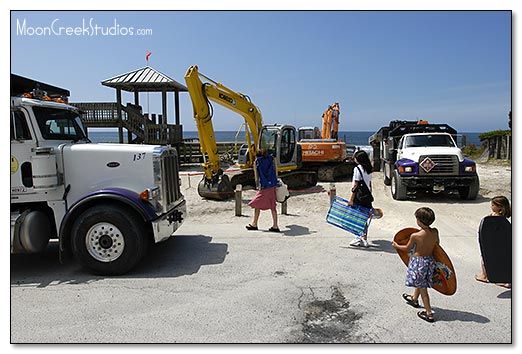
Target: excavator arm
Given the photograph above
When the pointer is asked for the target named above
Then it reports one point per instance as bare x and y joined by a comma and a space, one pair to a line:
216, 185
200, 94
330, 129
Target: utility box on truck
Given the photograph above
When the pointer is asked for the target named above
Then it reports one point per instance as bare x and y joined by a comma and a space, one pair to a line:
103, 202
418, 156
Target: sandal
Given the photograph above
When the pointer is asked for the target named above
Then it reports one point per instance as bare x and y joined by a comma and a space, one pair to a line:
410, 301
481, 279
274, 229
250, 227
424, 315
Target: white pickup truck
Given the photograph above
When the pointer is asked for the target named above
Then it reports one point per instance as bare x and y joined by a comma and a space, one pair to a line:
104, 202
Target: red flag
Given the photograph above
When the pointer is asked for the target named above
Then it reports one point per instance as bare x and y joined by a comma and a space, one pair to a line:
147, 55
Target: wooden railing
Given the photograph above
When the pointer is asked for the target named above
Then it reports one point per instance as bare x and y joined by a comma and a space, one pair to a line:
500, 147
163, 134
105, 114
99, 114
190, 152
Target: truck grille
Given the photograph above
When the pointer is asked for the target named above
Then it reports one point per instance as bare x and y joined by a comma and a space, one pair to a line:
445, 165
169, 178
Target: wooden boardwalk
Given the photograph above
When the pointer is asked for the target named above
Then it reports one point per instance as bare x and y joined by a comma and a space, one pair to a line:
189, 151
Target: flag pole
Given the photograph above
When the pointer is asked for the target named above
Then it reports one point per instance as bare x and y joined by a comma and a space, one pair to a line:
147, 55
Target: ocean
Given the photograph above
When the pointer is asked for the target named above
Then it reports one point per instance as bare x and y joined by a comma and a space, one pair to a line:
357, 138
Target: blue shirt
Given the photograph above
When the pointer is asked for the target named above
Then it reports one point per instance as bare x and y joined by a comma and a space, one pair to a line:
266, 171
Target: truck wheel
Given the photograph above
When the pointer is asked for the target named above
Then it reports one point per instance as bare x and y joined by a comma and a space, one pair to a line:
386, 172
470, 192
398, 189
108, 239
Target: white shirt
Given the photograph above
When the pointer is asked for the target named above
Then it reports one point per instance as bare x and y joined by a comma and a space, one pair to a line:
357, 176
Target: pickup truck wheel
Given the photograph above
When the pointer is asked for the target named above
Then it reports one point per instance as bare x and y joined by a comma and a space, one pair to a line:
470, 192
108, 239
398, 189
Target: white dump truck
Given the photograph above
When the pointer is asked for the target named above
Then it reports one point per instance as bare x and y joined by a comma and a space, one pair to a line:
105, 203
419, 156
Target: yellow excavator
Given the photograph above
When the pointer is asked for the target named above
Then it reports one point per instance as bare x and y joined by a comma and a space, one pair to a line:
279, 140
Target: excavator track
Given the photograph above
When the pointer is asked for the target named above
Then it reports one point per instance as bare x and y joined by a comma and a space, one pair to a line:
223, 188
297, 180
335, 172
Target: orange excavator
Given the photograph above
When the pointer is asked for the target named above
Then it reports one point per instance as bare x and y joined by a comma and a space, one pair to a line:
323, 152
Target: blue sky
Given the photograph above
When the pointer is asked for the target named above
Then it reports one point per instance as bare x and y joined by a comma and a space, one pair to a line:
444, 66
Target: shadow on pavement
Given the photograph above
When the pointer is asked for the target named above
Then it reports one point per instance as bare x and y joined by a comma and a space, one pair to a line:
374, 246
296, 230
178, 256
455, 315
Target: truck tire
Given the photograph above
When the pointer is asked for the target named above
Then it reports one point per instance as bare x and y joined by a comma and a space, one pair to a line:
386, 171
109, 240
398, 189
470, 192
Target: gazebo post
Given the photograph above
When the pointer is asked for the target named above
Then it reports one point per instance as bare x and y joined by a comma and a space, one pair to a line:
120, 118
164, 111
176, 105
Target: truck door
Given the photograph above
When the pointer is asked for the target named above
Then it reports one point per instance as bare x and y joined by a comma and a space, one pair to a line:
399, 148
23, 142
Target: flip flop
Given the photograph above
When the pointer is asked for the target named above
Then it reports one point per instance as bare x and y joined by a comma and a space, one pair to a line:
425, 316
274, 229
480, 279
504, 285
250, 227
410, 301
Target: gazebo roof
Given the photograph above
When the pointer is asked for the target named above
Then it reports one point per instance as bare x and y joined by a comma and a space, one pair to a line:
145, 79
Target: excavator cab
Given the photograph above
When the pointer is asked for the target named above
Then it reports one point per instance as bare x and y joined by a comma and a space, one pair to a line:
280, 141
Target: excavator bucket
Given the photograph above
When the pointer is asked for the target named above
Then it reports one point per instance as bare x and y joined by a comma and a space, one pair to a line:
218, 188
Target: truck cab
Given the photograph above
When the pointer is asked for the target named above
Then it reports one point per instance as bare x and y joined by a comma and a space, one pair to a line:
418, 156
104, 203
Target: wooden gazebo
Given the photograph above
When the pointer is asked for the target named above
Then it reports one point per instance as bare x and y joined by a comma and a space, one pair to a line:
145, 127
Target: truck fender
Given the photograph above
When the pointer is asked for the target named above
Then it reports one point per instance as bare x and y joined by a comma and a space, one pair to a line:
119, 195
403, 163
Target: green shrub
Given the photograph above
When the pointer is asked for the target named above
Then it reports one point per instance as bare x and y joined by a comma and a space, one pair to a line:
472, 151
494, 134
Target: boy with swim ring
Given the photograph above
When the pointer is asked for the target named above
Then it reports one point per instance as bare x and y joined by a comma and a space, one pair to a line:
422, 264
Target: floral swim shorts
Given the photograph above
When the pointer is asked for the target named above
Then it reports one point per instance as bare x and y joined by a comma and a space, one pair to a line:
420, 271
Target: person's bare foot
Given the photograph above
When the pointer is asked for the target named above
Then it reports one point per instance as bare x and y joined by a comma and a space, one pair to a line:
481, 278
504, 285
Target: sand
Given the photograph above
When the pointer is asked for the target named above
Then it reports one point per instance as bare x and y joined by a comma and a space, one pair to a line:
312, 205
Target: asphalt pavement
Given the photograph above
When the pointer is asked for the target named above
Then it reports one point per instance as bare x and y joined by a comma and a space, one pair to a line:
218, 283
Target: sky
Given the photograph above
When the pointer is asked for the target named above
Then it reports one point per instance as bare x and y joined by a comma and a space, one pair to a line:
451, 67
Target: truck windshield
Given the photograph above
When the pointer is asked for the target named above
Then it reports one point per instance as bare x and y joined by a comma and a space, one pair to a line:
429, 140
59, 124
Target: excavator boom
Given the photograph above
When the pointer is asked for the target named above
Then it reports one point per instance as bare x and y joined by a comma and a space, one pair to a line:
279, 140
